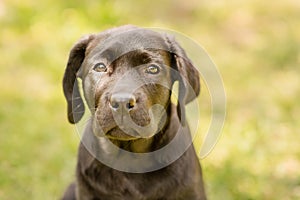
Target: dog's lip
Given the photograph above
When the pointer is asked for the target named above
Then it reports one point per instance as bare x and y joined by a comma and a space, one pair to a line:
117, 133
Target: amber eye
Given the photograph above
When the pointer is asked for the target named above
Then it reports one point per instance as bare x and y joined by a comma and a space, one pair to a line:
152, 69
100, 67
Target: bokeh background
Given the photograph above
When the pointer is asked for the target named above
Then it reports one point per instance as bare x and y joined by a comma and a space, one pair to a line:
255, 44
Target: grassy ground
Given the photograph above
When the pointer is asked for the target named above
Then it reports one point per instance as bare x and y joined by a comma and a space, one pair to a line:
255, 44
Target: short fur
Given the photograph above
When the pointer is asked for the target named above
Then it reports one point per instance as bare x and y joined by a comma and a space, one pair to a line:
123, 49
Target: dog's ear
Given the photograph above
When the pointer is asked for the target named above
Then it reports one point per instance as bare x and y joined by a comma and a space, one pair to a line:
70, 85
187, 75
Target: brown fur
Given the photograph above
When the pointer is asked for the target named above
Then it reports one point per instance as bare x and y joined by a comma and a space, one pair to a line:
126, 49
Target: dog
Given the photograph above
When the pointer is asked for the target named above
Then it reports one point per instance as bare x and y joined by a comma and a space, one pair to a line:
136, 144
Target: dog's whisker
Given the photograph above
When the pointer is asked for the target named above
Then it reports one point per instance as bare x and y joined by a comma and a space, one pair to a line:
77, 112
75, 98
76, 108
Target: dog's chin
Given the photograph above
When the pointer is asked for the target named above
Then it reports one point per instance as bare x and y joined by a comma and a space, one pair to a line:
122, 135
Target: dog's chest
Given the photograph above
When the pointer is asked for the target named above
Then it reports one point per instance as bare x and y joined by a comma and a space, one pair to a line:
111, 184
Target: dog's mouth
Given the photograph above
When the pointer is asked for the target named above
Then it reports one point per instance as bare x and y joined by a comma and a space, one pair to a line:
123, 134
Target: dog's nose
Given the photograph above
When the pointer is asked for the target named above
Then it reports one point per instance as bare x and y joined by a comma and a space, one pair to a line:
122, 101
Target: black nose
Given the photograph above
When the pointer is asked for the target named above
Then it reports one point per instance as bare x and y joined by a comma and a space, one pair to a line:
122, 101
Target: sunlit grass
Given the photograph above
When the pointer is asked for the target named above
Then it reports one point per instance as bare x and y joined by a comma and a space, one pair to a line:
255, 44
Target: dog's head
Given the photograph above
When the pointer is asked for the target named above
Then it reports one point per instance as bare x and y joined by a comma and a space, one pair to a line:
127, 75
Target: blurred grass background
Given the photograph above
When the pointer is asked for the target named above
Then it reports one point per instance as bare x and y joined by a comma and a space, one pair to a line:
256, 45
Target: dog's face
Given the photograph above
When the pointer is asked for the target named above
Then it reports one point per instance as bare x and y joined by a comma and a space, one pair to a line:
121, 92
127, 75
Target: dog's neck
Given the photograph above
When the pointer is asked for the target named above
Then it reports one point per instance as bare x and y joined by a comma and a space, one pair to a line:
142, 145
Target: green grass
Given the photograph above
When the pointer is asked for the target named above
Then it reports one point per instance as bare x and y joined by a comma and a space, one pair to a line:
255, 44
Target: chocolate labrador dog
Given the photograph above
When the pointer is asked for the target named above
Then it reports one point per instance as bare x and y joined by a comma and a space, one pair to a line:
136, 144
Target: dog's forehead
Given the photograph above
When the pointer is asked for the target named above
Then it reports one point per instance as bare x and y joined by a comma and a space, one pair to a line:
116, 44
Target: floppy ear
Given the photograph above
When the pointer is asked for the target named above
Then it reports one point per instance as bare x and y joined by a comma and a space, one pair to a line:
186, 74
70, 86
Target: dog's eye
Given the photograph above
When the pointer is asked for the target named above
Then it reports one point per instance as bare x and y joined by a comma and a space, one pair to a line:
152, 69
100, 67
